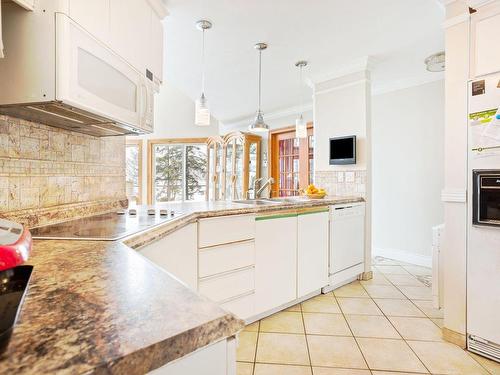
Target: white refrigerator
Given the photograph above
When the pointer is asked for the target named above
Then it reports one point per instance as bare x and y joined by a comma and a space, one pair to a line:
483, 237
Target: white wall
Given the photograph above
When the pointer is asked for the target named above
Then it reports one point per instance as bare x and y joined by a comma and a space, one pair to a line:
408, 170
174, 116
341, 107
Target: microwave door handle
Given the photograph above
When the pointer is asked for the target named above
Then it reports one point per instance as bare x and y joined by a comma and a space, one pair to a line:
144, 102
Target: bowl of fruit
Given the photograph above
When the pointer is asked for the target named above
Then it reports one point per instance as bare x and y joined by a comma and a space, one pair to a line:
314, 193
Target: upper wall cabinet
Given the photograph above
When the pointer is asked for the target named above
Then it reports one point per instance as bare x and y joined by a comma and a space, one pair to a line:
132, 28
485, 39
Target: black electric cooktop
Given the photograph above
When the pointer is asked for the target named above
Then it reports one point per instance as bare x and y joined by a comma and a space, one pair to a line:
106, 227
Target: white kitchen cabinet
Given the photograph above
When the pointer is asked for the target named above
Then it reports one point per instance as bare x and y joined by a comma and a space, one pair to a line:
93, 16
156, 47
312, 251
137, 35
130, 26
275, 260
177, 254
485, 38
26, 4
214, 359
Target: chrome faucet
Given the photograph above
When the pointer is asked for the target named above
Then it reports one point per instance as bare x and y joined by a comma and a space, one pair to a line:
255, 182
263, 187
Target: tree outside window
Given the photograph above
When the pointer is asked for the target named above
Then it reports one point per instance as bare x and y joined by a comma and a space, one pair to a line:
179, 172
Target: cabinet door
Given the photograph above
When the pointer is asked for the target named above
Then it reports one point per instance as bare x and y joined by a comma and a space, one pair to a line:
229, 171
486, 38
130, 30
155, 63
177, 253
93, 16
312, 251
238, 169
275, 261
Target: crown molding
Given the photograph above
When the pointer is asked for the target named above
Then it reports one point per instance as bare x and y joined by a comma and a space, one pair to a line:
461, 18
406, 83
365, 63
159, 7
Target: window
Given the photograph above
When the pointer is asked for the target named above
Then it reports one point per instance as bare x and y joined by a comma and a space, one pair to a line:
178, 170
133, 170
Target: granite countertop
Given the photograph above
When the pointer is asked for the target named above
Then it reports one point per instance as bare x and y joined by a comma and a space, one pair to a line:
100, 307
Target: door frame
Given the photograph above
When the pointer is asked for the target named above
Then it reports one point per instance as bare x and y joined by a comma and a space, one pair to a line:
274, 163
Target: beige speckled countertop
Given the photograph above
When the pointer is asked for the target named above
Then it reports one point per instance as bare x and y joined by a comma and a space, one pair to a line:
100, 307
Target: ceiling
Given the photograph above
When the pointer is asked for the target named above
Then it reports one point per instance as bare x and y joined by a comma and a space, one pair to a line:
330, 34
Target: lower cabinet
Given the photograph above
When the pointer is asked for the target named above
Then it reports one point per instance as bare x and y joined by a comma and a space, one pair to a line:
312, 251
215, 359
177, 253
275, 260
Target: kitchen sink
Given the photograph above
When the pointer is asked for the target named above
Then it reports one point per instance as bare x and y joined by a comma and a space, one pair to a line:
258, 202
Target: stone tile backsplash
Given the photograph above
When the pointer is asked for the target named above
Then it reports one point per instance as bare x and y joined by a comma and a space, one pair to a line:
342, 182
42, 166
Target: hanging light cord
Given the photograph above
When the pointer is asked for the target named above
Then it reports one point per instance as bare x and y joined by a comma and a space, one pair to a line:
300, 91
203, 62
260, 75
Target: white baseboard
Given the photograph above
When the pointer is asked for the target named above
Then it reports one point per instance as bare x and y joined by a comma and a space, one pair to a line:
404, 256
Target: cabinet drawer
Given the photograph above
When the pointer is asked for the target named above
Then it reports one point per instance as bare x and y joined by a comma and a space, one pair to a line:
229, 285
243, 307
225, 229
224, 258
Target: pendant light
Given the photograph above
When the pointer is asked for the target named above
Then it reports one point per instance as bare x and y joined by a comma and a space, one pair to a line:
300, 125
259, 125
202, 113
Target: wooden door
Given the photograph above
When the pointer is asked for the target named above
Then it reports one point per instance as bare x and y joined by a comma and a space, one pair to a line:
292, 161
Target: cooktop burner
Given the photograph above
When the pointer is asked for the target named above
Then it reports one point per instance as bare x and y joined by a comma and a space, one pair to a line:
107, 227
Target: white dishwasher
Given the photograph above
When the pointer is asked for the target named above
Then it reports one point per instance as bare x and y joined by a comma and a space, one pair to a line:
347, 242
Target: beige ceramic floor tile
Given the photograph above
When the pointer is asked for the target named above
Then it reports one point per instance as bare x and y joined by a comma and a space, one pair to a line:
386, 262
324, 303
398, 307
372, 326
361, 306
396, 373
406, 280
418, 270
354, 289
417, 292
254, 327
335, 351
377, 279
339, 371
282, 348
446, 358
247, 342
326, 324
417, 328
294, 308
283, 322
392, 270
438, 321
492, 367
384, 291
244, 368
390, 355
428, 309
268, 369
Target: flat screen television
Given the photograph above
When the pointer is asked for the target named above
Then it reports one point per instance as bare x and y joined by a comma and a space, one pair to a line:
343, 150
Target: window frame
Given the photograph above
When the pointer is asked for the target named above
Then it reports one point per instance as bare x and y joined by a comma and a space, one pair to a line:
166, 141
138, 143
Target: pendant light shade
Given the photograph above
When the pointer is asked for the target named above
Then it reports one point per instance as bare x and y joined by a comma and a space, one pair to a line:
202, 112
259, 124
300, 124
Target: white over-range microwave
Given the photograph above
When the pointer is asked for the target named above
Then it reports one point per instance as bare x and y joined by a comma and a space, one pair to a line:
56, 73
